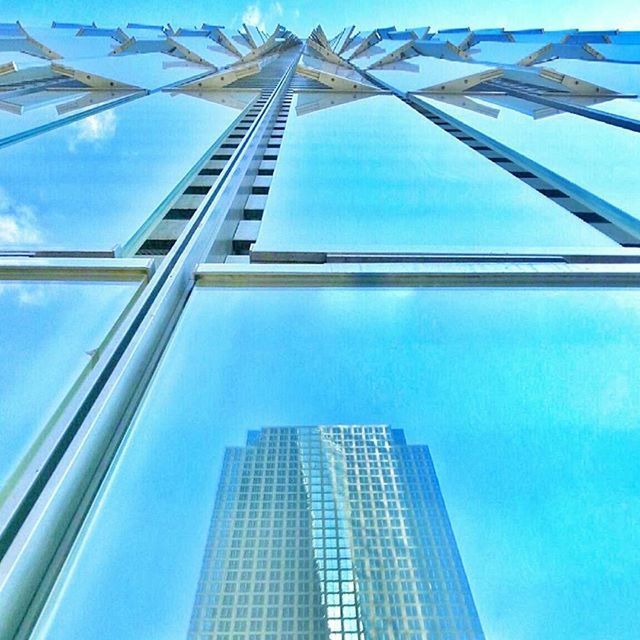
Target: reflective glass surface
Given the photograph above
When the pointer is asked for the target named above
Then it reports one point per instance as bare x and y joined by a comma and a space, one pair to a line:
374, 175
376, 52
598, 157
144, 70
355, 42
419, 73
318, 488
207, 49
90, 185
502, 52
253, 34
527, 398
237, 40
454, 38
628, 108
547, 37
21, 59
619, 77
618, 52
49, 335
24, 111
17, 67
150, 34
67, 44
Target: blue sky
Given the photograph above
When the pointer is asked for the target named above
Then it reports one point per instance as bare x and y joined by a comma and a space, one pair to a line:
302, 15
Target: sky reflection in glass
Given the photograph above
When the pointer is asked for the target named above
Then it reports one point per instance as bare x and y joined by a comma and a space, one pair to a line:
419, 73
600, 158
628, 108
65, 42
38, 319
616, 76
89, 185
528, 400
374, 175
20, 113
146, 70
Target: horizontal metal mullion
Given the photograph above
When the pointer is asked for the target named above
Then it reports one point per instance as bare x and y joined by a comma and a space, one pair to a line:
517, 254
94, 269
427, 275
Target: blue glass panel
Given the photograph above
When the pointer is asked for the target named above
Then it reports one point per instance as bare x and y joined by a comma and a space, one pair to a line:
255, 35
546, 37
91, 184
20, 112
17, 67
618, 52
420, 73
376, 52
598, 157
628, 108
145, 70
207, 49
528, 399
615, 76
67, 44
374, 175
48, 334
456, 39
503, 52
237, 40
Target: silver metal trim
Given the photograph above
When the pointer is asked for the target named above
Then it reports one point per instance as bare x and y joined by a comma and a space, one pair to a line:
521, 274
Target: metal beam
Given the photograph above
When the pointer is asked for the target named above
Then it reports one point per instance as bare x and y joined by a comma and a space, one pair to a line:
523, 274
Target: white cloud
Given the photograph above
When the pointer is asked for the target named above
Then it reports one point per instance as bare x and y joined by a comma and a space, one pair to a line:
18, 222
32, 296
94, 129
252, 15
25, 294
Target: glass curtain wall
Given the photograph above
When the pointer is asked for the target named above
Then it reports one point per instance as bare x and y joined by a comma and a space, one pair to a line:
331, 337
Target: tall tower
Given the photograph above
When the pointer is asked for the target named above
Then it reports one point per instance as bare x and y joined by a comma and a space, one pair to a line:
333, 533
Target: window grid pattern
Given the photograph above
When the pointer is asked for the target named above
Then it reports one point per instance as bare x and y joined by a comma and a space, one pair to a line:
258, 579
332, 532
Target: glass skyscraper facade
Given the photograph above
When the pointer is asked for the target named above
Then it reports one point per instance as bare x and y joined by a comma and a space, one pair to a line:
205, 231
331, 532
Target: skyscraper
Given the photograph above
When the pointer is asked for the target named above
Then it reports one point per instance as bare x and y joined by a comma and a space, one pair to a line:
331, 533
214, 228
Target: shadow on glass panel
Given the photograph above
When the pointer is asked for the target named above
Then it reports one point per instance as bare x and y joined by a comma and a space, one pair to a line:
622, 106
403, 65
32, 111
465, 102
65, 102
534, 110
112, 164
57, 327
628, 108
317, 101
234, 99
